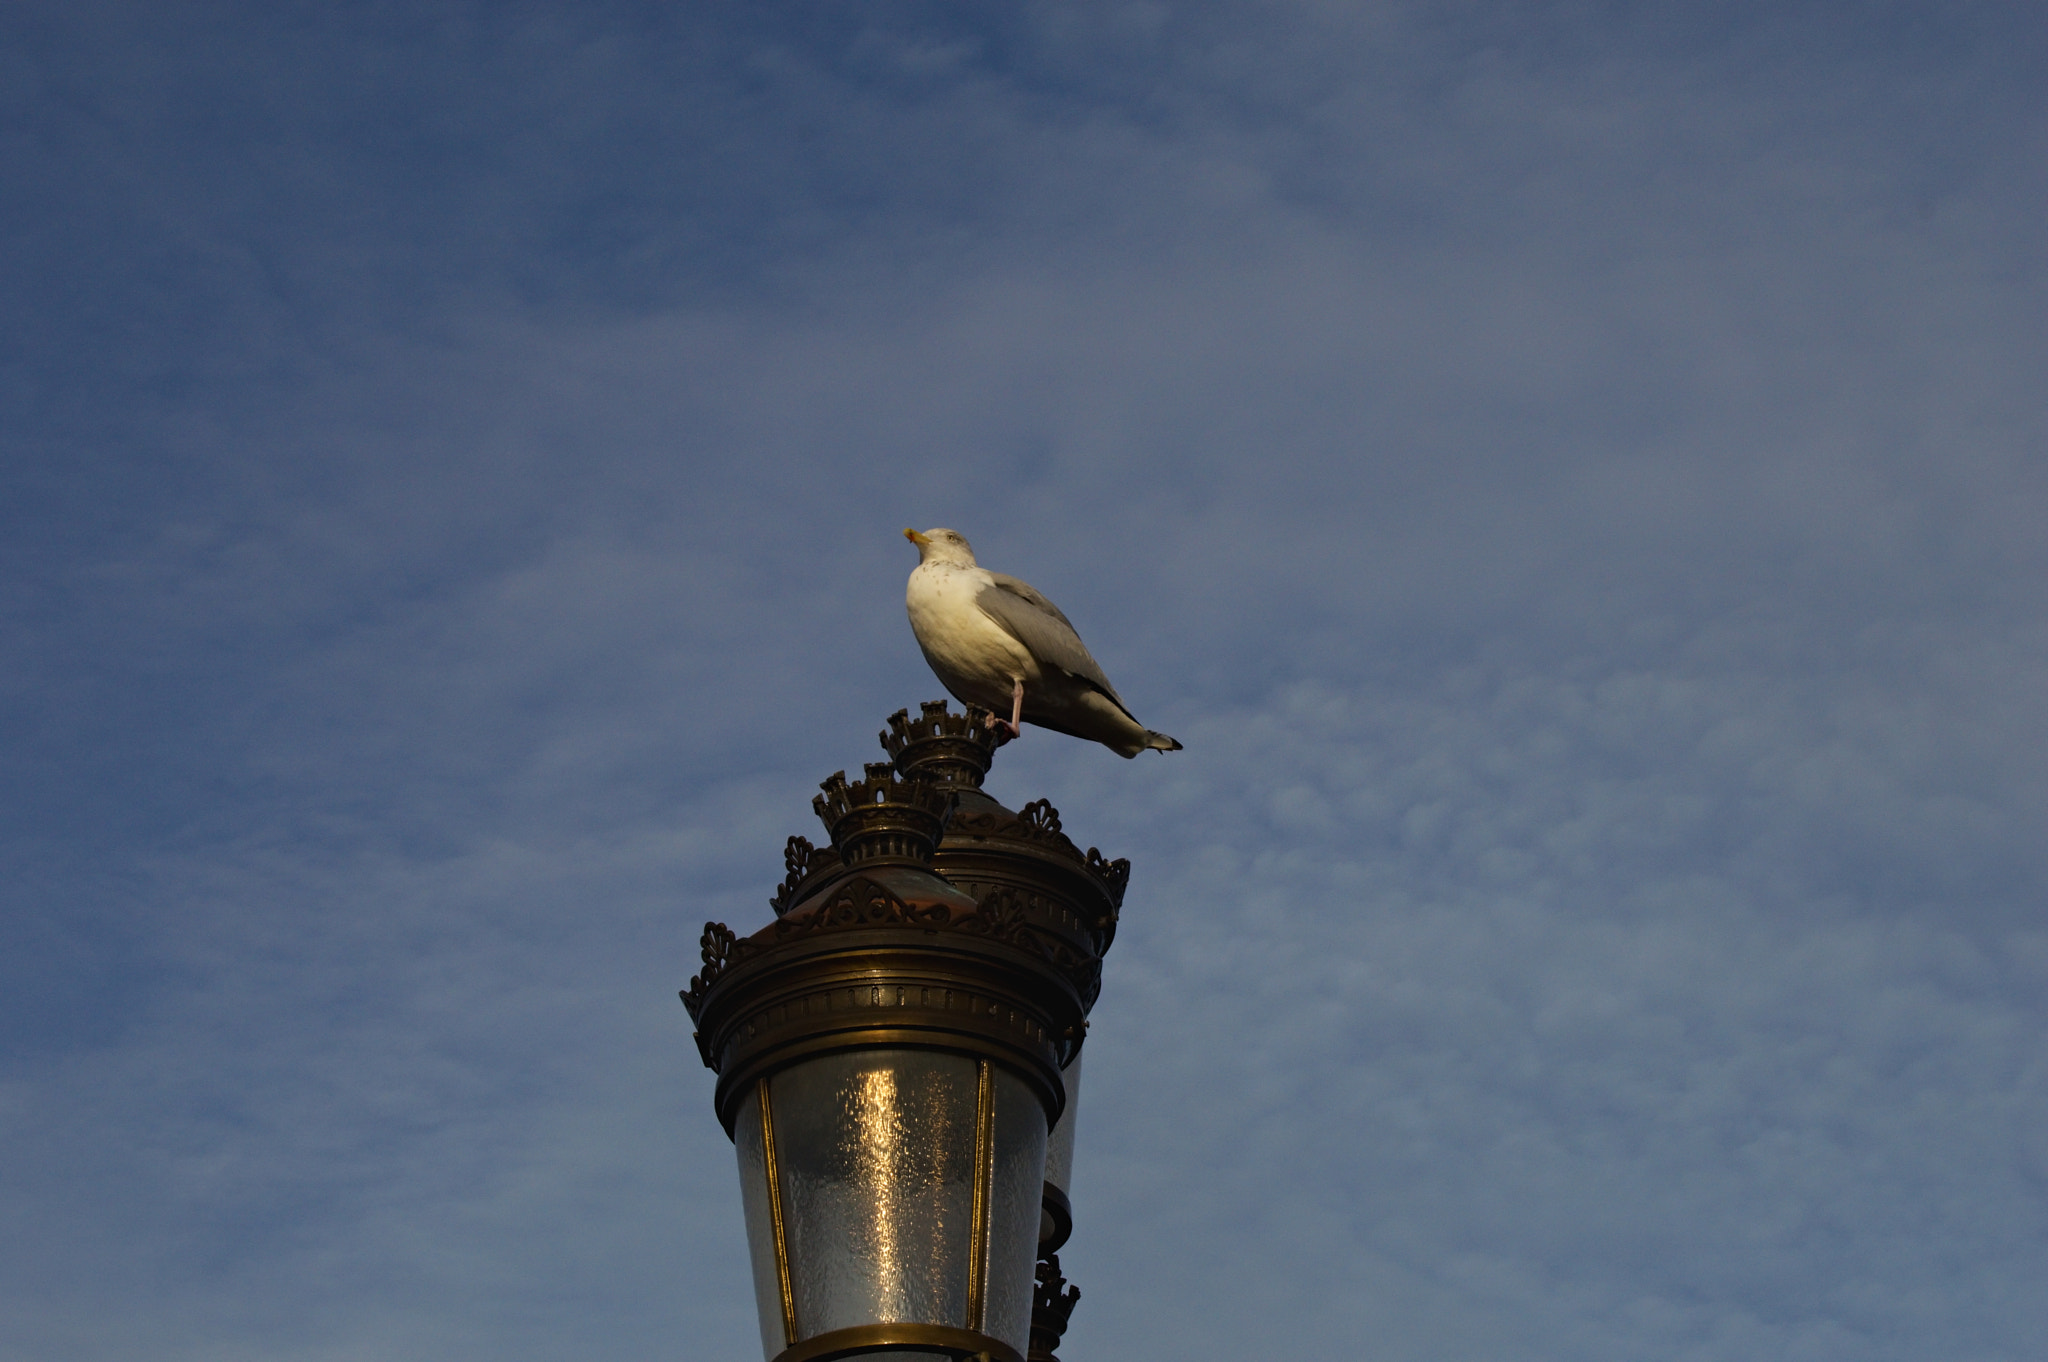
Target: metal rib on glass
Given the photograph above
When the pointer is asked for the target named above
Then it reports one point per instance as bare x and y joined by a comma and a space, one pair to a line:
777, 1221
759, 1202
984, 1139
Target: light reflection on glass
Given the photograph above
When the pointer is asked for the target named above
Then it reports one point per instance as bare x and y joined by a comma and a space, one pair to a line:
876, 1153
878, 1147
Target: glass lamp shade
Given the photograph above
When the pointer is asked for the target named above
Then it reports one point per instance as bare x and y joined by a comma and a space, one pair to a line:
892, 1187
890, 1053
1056, 1216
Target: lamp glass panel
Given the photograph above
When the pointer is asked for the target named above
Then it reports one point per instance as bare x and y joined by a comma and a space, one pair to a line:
1016, 1191
746, 1138
1059, 1148
875, 1149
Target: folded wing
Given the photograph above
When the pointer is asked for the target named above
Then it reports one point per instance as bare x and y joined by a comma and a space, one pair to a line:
1037, 623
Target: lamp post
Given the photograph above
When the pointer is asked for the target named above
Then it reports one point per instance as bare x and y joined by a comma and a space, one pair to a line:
898, 1060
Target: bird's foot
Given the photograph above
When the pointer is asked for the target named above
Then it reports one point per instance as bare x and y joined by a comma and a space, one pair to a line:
1016, 719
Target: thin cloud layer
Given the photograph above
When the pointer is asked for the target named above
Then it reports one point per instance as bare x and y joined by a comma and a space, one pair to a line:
1570, 476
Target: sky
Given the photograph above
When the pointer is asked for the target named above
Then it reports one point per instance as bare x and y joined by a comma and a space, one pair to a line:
1574, 476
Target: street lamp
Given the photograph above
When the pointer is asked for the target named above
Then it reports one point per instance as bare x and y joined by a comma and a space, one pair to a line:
898, 1060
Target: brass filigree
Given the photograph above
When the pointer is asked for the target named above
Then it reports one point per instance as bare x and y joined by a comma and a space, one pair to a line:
879, 787
859, 903
981, 823
1006, 916
722, 948
883, 816
1115, 875
985, 926
945, 748
798, 859
1039, 822
1040, 819
1054, 1298
1052, 1308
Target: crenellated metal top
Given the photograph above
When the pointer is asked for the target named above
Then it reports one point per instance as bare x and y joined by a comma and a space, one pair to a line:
999, 854
883, 818
942, 747
968, 925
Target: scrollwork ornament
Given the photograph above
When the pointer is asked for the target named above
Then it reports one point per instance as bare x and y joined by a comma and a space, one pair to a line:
1006, 917
1041, 819
1003, 916
1052, 1308
1115, 875
981, 824
862, 903
721, 948
1054, 1298
798, 856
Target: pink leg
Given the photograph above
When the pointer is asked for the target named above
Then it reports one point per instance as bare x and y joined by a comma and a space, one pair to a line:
1016, 710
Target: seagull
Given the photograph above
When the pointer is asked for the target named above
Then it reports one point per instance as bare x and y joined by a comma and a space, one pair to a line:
996, 642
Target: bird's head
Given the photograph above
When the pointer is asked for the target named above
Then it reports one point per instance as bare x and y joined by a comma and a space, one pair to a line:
941, 546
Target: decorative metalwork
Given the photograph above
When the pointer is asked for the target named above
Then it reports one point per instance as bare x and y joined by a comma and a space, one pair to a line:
1040, 819
721, 948
884, 816
919, 968
944, 748
1039, 822
862, 903
799, 858
775, 1217
859, 903
984, 1175
1005, 916
1115, 875
1052, 1307
982, 822
936, 919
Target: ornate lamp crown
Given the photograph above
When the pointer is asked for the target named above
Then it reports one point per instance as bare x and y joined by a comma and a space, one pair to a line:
884, 817
953, 947
946, 749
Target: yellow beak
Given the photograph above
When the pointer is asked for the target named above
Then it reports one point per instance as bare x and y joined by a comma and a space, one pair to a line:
914, 537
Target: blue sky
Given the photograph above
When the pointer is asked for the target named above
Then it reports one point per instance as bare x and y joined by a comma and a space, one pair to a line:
1573, 475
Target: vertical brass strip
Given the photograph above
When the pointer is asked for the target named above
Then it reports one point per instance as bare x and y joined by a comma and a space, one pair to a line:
984, 1175
775, 1217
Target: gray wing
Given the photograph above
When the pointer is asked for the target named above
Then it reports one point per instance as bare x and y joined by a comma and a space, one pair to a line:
1037, 623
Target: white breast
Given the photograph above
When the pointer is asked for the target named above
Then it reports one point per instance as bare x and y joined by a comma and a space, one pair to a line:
965, 647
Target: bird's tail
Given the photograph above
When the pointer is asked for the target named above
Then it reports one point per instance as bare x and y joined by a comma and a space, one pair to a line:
1153, 742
